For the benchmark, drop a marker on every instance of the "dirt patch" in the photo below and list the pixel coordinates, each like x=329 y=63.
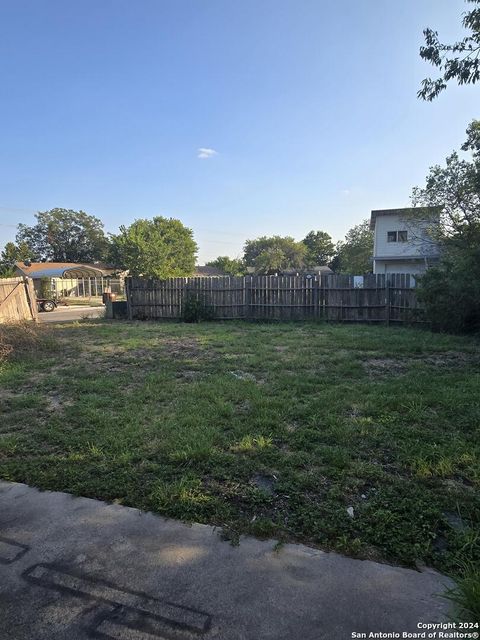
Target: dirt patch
x=245 y=375
x=55 y=402
x=188 y=376
x=265 y=483
x=6 y=393
x=186 y=348
x=354 y=412
x=456 y=485
x=451 y=359
x=379 y=367
x=244 y=407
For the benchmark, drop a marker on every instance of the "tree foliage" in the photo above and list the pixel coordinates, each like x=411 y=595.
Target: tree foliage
x=451 y=290
x=320 y=248
x=354 y=254
x=157 y=248
x=459 y=61
x=270 y=255
x=64 y=235
x=455 y=190
x=472 y=143
x=230 y=266
x=11 y=254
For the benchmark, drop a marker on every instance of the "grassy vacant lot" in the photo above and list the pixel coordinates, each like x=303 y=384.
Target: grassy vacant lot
x=275 y=430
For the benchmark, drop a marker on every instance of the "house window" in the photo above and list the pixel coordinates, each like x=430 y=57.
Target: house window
x=396 y=236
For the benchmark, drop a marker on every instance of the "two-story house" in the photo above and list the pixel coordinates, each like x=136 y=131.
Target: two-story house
x=403 y=241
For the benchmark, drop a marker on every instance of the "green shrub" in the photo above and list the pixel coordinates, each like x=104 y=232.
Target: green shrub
x=196 y=308
x=450 y=292
x=46 y=288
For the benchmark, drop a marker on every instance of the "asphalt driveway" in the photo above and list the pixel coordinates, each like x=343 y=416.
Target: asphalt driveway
x=67 y=314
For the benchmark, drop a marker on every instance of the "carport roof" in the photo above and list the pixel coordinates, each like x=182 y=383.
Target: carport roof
x=59 y=270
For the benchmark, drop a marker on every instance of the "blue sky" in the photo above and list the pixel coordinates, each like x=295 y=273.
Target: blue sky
x=310 y=106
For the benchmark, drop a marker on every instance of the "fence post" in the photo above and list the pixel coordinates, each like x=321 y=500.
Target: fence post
x=387 y=300
x=247 y=295
x=31 y=298
x=128 y=293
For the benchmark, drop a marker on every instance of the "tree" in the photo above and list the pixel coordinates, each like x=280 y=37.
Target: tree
x=459 y=61
x=10 y=255
x=472 y=142
x=454 y=189
x=64 y=235
x=320 y=248
x=269 y=255
x=230 y=266
x=450 y=291
x=354 y=254
x=158 y=248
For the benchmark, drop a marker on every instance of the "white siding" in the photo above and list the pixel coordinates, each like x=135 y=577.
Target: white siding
x=417 y=244
x=411 y=254
x=399 y=266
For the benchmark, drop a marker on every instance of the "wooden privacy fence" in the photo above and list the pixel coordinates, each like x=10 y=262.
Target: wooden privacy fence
x=17 y=300
x=372 y=298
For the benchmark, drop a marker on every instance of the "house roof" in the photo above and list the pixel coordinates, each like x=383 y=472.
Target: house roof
x=62 y=269
x=203 y=270
x=423 y=213
x=308 y=270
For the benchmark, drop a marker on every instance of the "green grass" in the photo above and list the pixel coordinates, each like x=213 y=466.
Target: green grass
x=268 y=429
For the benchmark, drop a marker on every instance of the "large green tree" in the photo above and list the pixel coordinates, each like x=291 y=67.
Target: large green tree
x=320 y=248
x=64 y=235
x=269 y=255
x=354 y=254
x=230 y=266
x=157 y=248
x=458 y=61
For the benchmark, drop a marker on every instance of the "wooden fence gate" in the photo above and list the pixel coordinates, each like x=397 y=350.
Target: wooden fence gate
x=17 y=300
x=371 y=298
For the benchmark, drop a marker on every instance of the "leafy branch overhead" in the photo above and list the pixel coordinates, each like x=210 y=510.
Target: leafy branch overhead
x=459 y=61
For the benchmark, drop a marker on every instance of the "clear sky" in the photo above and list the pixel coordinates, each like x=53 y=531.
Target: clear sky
x=310 y=106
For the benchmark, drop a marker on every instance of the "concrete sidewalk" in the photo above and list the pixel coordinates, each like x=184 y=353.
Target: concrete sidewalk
x=74 y=568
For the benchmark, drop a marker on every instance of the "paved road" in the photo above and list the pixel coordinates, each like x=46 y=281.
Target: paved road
x=67 y=314
x=73 y=568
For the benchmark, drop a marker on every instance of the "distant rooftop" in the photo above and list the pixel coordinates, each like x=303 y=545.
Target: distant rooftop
x=201 y=270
